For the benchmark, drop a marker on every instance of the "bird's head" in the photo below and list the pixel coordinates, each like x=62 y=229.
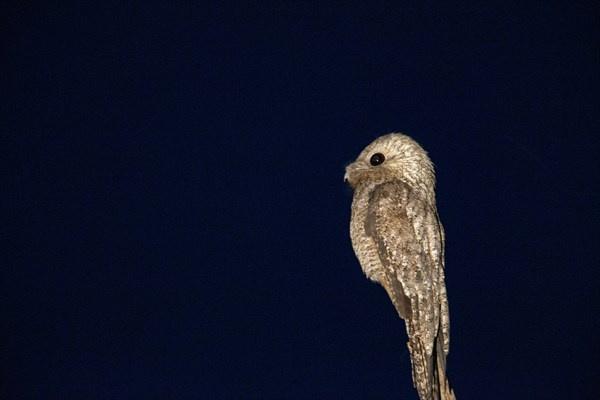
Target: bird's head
x=393 y=157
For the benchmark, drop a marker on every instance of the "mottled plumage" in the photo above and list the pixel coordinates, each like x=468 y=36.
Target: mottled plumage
x=399 y=241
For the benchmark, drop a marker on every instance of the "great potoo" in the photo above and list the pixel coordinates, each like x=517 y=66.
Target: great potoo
x=399 y=241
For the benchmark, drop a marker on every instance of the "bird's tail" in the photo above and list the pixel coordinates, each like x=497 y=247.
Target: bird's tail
x=440 y=380
x=429 y=371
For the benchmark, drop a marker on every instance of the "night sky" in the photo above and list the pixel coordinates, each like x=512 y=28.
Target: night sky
x=174 y=221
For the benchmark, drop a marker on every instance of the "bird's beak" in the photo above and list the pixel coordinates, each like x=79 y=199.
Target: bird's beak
x=349 y=169
x=350 y=175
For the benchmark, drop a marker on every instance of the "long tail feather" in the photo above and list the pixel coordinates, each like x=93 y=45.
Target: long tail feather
x=429 y=371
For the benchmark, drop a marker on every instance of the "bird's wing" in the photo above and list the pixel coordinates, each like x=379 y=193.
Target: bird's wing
x=409 y=242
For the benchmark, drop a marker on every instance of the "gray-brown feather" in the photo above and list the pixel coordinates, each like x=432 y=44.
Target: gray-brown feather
x=399 y=241
x=397 y=221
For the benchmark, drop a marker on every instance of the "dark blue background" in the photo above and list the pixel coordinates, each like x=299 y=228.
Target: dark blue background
x=175 y=224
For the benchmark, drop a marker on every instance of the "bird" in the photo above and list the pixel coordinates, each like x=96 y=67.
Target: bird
x=399 y=240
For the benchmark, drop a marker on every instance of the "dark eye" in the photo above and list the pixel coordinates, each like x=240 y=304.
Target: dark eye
x=377 y=159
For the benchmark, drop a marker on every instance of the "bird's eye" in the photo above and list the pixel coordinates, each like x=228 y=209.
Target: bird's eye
x=377 y=159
